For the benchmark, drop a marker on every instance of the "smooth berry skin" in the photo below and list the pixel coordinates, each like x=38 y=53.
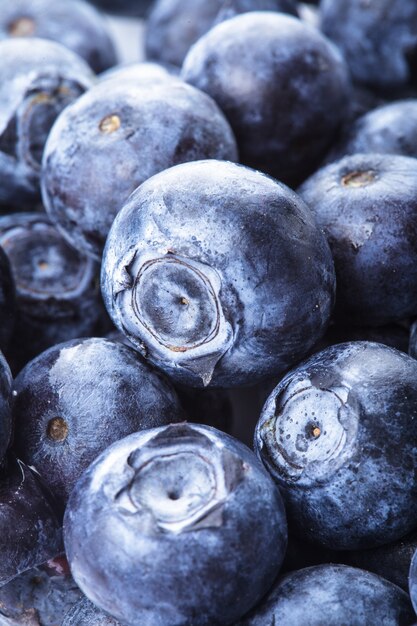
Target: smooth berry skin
x=375 y=38
x=75 y=25
x=77 y=398
x=30 y=524
x=85 y=613
x=126 y=133
x=367 y=208
x=236 y=264
x=387 y=129
x=136 y=532
x=332 y=595
x=173 y=26
x=338 y=436
x=57 y=296
x=283 y=87
x=37 y=80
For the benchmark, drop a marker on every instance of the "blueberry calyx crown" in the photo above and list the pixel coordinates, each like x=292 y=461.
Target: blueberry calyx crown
x=308 y=431
x=180 y=481
x=170 y=305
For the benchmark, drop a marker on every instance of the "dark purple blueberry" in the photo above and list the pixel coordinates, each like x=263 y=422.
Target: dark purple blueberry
x=37 y=80
x=35 y=598
x=58 y=296
x=283 y=87
x=377 y=38
x=218 y=274
x=332 y=595
x=388 y=129
x=77 y=398
x=367 y=208
x=173 y=26
x=84 y=613
x=76 y=25
x=30 y=526
x=115 y=137
x=176 y=525
x=338 y=435
x=7 y=301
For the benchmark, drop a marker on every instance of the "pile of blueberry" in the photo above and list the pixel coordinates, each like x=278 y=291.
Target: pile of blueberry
x=205 y=252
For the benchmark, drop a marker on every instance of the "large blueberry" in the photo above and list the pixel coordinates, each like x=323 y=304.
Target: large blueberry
x=177 y=525
x=218 y=274
x=388 y=129
x=76 y=25
x=367 y=208
x=77 y=398
x=283 y=87
x=38 y=78
x=57 y=294
x=116 y=136
x=333 y=595
x=378 y=38
x=338 y=435
x=173 y=26
x=30 y=526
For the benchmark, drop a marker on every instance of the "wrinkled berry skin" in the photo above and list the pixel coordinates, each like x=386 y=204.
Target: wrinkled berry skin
x=283 y=87
x=75 y=25
x=7 y=301
x=367 y=208
x=388 y=129
x=77 y=398
x=185 y=514
x=86 y=614
x=173 y=26
x=37 y=80
x=30 y=528
x=376 y=38
x=338 y=436
x=57 y=294
x=217 y=274
x=5 y=406
x=333 y=595
x=126 y=133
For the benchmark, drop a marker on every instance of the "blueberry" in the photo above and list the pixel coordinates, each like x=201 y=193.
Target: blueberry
x=176 y=525
x=125 y=134
x=76 y=25
x=393 y=335
x=412 y=581
x=57 y=292
x=38 y=78
x=218 y=274
x=338 y=436
x=333 y=595
x=86 y=614
x=30 y=527
x=283 y=87
x=367 y=207
x=77 y=398
x=378 y=39
x=388 y=129
x=173 y=26
x=412 y=346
